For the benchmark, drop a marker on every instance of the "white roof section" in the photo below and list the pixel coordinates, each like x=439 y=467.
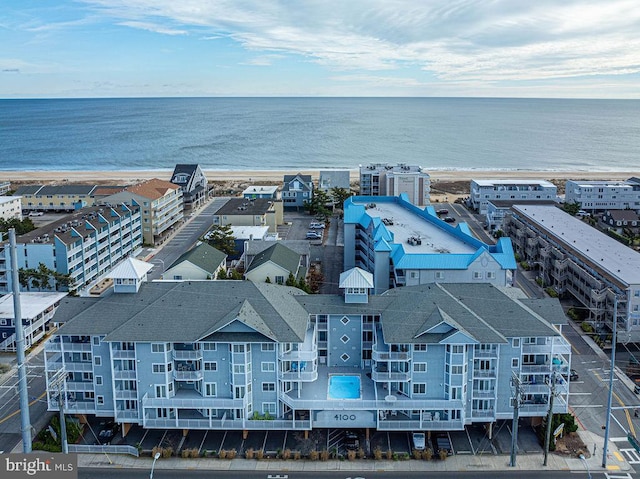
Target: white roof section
x=489 y=182
x=611 y=256
x=407 y=224
x=356 y=278
x=31 y=304
x=602 y=183
x=131 y=268
x=9 y=199
x=248 y=232
x=260 y=190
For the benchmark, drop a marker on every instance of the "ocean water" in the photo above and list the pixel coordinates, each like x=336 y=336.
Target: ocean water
x=320 y=133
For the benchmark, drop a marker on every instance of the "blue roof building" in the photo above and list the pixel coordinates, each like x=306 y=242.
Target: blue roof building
x=403 y=245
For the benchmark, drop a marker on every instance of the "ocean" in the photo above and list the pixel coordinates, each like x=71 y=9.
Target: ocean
x=320 y=133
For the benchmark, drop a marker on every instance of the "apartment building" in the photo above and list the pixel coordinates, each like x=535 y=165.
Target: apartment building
x=10 y=207
x=482 y=191
x=269 y=192
x=160 y=205
x=58 y=198
x=37 y=310
x=334 y=179
x=84 y=245
x=403 y=245
x=382 y=179
x=429 y=357
x=572 y=257
x=5 y=187
x=598 y=196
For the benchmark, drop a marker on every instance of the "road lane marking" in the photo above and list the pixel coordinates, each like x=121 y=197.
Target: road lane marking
x=18 y=410
x=632 y=456
x=618 y=456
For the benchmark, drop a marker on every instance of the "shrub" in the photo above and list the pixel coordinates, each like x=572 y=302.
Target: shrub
x=417 y=454
x=167 y=452
x=231 y=454
x=361 y=454
x=222 y=454
x=313 y=455
x=249 y=453
x=586 y=327
x=351 y=455
x=324 y=455
x=260 y=454
x=427 y=454
x=286 y=454
x=377 y=453
x=297 y=455
x=389 y=454
x=443 y=454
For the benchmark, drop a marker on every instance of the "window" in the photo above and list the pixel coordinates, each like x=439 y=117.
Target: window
x=209 y=346
x=268 y=347
x=420 y=367
x=86 y=356
x=88 y=395
x=161 y=391
x=238 y=369
x=266 y=387
x=98 y=380
x=528 y=359
x=419 y=347
x=210 y=389
x=419 y=388
x=210 y=366
x=456 y=393
x=238 y=348
x=100 y=400
x=491 y=275
x=439 y=275
x=477 y=275
x=279 y=279
x=97 y=360
x=157 y=347
x=515 y=363
x=456 y=369
x=96 y=340
x=159 y=368
x=268 y=367
x=269 y=408
x=515 y=342
x=87 y=376
x=456 y=349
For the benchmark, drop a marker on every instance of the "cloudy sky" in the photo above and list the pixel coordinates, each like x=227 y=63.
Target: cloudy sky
x=501 y=48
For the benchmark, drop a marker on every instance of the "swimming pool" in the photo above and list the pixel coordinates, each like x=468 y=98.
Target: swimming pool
x=344 y=387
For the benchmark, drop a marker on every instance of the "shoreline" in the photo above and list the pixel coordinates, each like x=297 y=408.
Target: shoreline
x=256 y=176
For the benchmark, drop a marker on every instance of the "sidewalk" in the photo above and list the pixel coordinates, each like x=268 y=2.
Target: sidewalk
x=457 y=463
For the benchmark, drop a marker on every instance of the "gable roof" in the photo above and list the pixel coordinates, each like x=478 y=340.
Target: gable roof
x=189 y=311
x=204 y=256
x=152 y=189
x=356 y=278
x=278 y=254
x=305 y=180
x=183 y=169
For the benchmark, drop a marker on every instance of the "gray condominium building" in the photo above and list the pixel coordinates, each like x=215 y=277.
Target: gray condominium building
x=223 y=354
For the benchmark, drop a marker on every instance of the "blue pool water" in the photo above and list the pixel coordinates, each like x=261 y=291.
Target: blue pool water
x=344 y=387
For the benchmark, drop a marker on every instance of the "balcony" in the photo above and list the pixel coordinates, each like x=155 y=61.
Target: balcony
x=125 y=394
x=536 y=349
x=230 y=424
x=186 y=354
x=399 y=403
x=483 y=413
x=123 y=354
x=304 y=376
x=187 y=375
x=126 y=414
x=413 y=425
x=485 y=353
x=382 y=376
x=193 y=403
x=484 y=373
x=381 y=353
x=79 y=386
x=76 y=347
x=535 y=368
x=124 y=374
x=78 y=367
x=300 y=355
x=483 y=394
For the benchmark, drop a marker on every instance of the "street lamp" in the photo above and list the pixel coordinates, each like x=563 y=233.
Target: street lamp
x=155 y=458
x=586 y=464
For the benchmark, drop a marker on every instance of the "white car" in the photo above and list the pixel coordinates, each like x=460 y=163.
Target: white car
x=36 y=213
x=418 y=441
x=316 y=226
x=313 y=235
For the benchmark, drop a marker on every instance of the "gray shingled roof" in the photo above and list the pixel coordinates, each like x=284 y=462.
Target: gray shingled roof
x=69 y=189
x=203 y=256
x=244 y=206
x=278 y=254
x=189 y=311
x=27 y=190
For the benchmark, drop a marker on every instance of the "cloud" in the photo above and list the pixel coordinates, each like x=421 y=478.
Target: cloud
x=452 y=40
x=263 y=60
x=10 y=70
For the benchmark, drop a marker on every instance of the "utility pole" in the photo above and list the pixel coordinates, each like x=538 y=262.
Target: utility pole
x=58 y=381
x=514 y=427
x=611 y=373
x=552 y=395
x=25 y=420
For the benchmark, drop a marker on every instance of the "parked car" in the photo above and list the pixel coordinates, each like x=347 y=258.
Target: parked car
x=106 y=435
x=418 y=441
x=316 y=226
x=443 y=211
x=351 y=441
x=36 y=213
x=573 y=375
x=313 y=235
x=449 y=219
x=441 y=442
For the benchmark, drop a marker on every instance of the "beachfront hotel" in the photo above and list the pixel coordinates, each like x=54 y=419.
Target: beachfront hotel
x=599 y=196
x=84 y=245
x=576 y=259
x=223 y=354
x=404 y=245
x=382 y=179
x=483 y=191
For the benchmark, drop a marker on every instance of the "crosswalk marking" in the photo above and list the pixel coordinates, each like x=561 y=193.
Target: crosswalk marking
x=631 y=455
x=618 y=476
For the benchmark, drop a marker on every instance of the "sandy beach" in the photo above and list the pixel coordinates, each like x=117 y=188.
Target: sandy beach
x=262 y=176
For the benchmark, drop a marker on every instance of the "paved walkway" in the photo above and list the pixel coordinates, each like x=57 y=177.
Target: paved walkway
x=460 y=462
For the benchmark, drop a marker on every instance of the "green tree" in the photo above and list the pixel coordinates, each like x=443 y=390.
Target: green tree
x=44 y=278
x=222 y=274
x=291 y=280
x=318 y=204
x=21 y=226
x=572 y=208
x=221 y=238
x=340 y=195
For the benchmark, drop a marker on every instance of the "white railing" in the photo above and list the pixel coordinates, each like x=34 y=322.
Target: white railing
x=194 y=403
x=124 y=374
x=385 y=355
x=390 y=376
x=187 y=375
x=536 y=349
x=305 y=376
x=78 y=367
x=231 y=424
x=78 y=386
x=186 y=354
x=76 y=347
x=125 y=394
x=99 y=449
x=392 y=425
x=399 y=403
x=484 y=413
x=300 y=355
x=483 y=394
x=484 y=373
x=123 y=354
x=535 y=368
x=127 y=414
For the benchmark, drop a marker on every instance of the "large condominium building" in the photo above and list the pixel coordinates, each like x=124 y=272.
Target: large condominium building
x=10 y=207
x=68 y=197
x=160 y=205
x=381 y=179
x=604 y=195
x=224 y=354
x=83 y=245
x=576 y=259
x=403 y=245
x=482 y=191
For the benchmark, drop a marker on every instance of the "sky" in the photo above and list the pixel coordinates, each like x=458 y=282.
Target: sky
x=442 y=48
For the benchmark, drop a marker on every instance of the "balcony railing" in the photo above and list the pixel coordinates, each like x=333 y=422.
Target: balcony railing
x=127 y=414
x=484 y=373
x=483 y=394
x=187 y=354
x=76 y=347
x=535 y=368
x=231 y=424
x=482 y=413
x=378 y=354
x=390 y=376
x=73 y=386
x=124 y=374
x=536 y=348
x=78 y=367
x=300 y=355
x=399 y=425
x=187 y=375
x=485 y=353
x=305 y=376
x=123 y=354
x=125 y=394
x=360 y=405
x=194 y=403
